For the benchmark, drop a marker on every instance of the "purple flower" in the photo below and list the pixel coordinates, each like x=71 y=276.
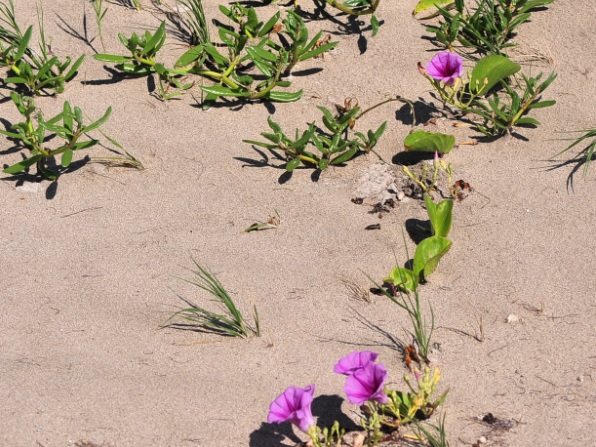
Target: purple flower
x=367 y=384
x=293 y=405
x=354 y=361
x=445 y=67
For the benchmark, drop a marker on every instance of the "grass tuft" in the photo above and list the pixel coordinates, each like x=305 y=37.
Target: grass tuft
x=230 y=323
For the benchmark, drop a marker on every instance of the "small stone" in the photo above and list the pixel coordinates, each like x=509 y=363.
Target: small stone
x=512 y=318
x=482 y=440
x=32 y=187
x=401 y=196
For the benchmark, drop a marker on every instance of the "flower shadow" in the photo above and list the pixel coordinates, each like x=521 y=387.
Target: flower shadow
x=327 y=410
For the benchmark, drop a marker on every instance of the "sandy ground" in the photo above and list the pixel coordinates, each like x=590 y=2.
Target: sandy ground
x=91 y=269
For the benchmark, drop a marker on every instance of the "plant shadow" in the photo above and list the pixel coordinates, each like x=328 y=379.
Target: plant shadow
x=327 y=410
x=418 y=230
x=71 y=31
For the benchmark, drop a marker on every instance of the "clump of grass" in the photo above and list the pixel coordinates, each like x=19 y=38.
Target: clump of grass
x=585 y=154
x=434 y=434
x=195 y=21
x=100 y=13
x=230 y=323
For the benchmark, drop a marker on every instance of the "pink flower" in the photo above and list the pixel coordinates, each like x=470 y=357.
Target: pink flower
x=446 y=67
x=294 y=405
x=354 y=361
x=367 y=383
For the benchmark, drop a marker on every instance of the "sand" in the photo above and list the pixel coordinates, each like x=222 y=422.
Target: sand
x=92 y=266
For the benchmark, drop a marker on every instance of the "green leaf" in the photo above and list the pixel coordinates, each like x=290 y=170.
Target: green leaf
x=527 y=121
x=424 y=5
x=428 y=254
x=66 y=158
x=67 y=117
x=112 y=58
x=284 y=96
x=293 y=164
x=345 y=156
x=157 y=40
x=22 y=165
x=192 y=55
x=220 y=90
x=440 y=215
x=403 y=278
x=317 y=51
x=100 y=121
x=423 y=141
x=269 y=25
x=84 y=145
x=489 y=71
x=374 y=23
x=257 y=52
x=541 y=104
x=23 y=44
x=74 y=68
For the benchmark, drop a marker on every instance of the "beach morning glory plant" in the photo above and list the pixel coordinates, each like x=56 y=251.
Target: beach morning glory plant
x=382 y=409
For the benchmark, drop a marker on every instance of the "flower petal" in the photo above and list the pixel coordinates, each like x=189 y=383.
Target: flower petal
x=354 y=361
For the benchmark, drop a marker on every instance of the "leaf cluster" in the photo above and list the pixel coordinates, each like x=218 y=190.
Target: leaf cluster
x=334 y=146
x=430 y=250
x=33 y=133
x=418 y=403
x=37 y=72
x=248 y=64
x=487 y=27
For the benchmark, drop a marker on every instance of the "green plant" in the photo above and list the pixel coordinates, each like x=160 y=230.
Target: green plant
x=417 y=404
x=585 y=154
x=427 y=180
x=231 y=323
x=252 y=45
x=492 y=92
x=429 y=251
x=247 y=49
x=435 y=435
x=402 y=296
x=68 y=126
x=142 y=61
x=100 y=13
x=487 y=27
x=38 y=72
x=335 y=145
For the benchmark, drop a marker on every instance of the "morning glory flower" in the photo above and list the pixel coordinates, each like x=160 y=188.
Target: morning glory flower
x=294 y=405
x=446 y=67
x=367 y=383
x=354 y=361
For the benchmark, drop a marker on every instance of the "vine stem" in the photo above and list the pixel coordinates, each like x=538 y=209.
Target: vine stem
x=398 y=98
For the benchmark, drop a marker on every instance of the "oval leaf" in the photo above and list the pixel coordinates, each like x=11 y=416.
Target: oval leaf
x=423 y=141
x=424 y=5
x=293 y=164
x=440 y=215
x=428 y=254
x=489 y=71
x=403 y=278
